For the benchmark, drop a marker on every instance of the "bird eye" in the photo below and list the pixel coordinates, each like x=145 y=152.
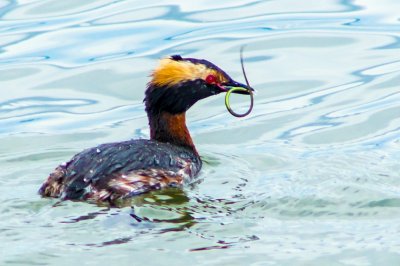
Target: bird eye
x=211 y=79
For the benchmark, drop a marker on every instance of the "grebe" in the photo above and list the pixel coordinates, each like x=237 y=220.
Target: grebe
x=120 y=170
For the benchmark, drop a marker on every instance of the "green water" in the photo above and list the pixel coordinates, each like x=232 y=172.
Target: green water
x=311 y=177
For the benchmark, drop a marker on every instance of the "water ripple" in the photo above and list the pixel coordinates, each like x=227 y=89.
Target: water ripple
x=311 y=177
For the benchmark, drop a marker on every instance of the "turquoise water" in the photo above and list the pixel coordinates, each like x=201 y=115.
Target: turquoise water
x=311 y=177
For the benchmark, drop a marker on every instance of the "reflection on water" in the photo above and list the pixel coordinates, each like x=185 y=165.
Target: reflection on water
x=169 y=207
x=311 y=177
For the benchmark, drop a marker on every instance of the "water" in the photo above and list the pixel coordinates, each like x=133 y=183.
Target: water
x=310 y=178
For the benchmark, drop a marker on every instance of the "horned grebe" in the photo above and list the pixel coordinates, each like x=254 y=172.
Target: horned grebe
x=169 y=159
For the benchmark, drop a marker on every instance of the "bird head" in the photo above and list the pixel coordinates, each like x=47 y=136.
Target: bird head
x=178 y=83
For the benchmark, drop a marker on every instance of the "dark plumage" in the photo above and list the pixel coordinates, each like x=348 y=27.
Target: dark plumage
x=169 y=159
x=123 y=169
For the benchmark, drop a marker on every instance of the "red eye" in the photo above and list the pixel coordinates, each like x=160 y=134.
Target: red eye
x=211 y=79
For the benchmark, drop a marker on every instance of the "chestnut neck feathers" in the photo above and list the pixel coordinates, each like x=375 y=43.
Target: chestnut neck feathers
x=171 y=128
x=176 y=84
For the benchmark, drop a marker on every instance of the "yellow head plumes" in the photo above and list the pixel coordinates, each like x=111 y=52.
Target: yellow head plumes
x=171 y=72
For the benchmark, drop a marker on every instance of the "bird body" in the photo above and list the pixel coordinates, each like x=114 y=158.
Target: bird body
x=114 y=171
x=123 y=169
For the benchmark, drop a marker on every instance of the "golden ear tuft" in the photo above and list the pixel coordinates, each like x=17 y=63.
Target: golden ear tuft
x=172 y=72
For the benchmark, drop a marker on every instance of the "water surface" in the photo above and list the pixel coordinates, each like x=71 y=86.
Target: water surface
x=310 y=178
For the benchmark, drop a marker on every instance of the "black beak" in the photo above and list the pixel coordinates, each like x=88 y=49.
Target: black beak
x=233 y=84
